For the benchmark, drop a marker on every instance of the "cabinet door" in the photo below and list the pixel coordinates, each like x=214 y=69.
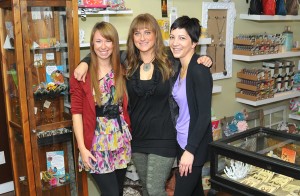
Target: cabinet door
x=39 y=51
x=12 y=65
x=47 y=50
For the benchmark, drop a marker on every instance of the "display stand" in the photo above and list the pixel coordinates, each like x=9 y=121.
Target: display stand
x=35 y=37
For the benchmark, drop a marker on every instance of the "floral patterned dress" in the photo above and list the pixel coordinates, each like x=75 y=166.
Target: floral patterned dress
x=110 y=146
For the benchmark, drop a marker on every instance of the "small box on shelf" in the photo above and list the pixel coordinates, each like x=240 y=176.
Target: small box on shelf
x=253 y=74
x=257 y=86
x=257 y=44
x=253 y=96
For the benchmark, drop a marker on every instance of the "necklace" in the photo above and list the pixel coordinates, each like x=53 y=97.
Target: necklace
x=182 y=74
x=220 y=31
x=147 y=66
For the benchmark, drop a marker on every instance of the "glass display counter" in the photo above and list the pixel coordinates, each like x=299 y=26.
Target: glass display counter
x=259 y=161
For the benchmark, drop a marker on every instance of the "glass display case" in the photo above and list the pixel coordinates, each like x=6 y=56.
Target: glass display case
x=259 y=161
x=39 y=48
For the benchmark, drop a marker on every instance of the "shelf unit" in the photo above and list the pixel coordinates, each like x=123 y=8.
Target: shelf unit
x=37 y=38
x=106 y=15
x=268 y=17
x=265 y=57
x=277 y=97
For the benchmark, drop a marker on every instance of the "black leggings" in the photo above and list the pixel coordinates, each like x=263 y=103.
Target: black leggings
x=190 y=185
x=111 y=184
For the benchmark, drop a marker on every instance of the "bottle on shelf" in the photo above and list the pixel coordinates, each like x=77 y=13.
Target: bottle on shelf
x=288 y=42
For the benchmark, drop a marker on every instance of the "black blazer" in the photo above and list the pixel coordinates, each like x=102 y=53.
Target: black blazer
x=199 y=85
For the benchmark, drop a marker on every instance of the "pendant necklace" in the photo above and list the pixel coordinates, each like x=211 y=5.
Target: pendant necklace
x=147 y=66
x=182 y=74
x=220 y=30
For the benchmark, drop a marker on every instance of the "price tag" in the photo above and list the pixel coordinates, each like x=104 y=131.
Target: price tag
x=47 y=104
x=50 y=56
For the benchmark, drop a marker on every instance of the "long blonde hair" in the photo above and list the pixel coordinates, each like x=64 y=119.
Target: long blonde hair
x=133 y=54
x=109 y=32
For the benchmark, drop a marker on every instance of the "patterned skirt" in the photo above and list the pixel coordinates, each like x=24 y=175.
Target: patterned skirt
x=110 y=146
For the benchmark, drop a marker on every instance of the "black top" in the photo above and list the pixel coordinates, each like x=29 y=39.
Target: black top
x=152 y=128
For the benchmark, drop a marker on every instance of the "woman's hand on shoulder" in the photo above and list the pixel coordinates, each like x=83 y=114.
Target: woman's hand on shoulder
x=205 y=60
x=81 y=71
x=186 y=163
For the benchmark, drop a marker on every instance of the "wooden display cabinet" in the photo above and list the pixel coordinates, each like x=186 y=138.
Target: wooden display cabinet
x=39 y=48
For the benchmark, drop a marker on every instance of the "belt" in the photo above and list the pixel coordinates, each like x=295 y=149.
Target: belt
x=110 y=112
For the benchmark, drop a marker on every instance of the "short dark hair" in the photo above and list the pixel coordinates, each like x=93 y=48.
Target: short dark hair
x=191 y=25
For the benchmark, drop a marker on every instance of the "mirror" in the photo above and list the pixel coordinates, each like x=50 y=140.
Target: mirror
x=218 y=19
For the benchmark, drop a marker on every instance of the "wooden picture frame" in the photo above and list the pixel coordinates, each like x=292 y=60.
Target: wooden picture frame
x=218 y=19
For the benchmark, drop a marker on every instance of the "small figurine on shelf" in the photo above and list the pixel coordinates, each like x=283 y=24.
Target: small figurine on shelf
x=288 y=127
x=116 y=5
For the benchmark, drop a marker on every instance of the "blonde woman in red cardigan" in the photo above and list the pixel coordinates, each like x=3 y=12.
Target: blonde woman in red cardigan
x=101 y=132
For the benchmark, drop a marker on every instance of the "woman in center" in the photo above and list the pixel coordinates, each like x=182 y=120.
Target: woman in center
x=192 y=92
x=150 y=73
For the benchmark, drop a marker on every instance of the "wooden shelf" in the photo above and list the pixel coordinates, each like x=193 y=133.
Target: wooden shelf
x=268 y=17
x=294 y=116
x=55 y=139
x=277 y=97
x=62 y=45
x=265 y=56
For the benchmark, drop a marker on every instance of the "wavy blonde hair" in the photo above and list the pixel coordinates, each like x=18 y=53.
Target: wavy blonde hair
x=160 y=52
x=109 y=32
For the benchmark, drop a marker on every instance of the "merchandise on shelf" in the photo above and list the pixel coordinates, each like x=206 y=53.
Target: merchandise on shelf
x=259 y=161
x=255 y=84
x=282 y=71
x=257 y=44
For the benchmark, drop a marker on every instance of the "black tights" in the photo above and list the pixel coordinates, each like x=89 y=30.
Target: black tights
x=191 y=184
x=111 y=184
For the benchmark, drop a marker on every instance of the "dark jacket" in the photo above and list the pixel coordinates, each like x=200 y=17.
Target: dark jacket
x=199 y=85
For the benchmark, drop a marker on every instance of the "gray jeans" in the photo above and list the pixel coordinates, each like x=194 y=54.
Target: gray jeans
x=153 y=171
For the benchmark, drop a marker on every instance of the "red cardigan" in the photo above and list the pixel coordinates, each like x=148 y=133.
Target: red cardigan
x=82 y=102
